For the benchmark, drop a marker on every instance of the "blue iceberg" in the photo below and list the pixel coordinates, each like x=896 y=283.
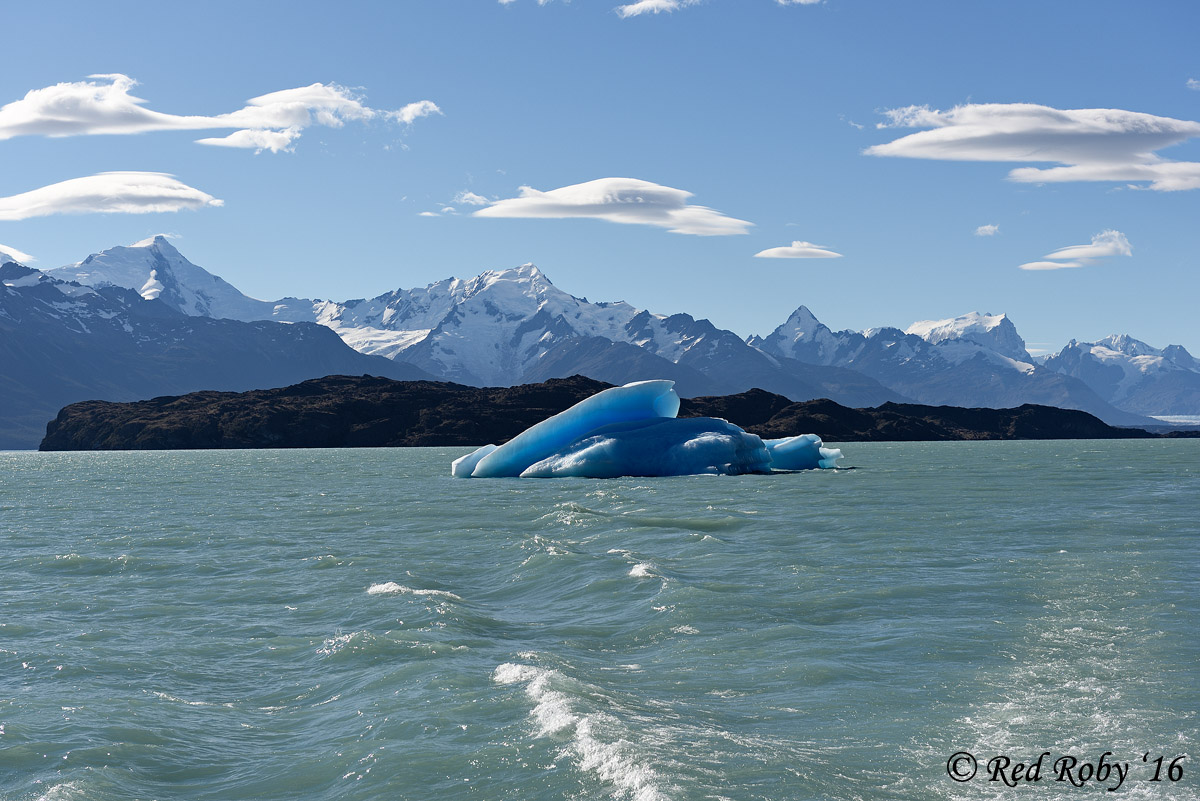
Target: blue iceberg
x=664 y=447
x=633 y=431
x=801 y=453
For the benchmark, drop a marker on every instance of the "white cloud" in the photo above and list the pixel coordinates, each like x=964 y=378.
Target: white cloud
x=798 y=250
x=1193 y=84
x=414 y=111
x=103 y=105
x=621 y=200
x=12 y=254
x=1104 y=245
x=1050 y=265
x=464 y=198
x=641 y=7
x=149 y=240
x=274 y=141
x=469 y=198
x=1093 y=144
x=987 y=230
x=107 y=192
x=651 y=7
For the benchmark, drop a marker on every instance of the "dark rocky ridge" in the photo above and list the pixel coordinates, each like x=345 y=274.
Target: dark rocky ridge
x=346 y=411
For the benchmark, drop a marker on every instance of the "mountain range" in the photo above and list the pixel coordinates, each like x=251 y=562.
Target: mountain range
x=62 y=342
x=137 y=321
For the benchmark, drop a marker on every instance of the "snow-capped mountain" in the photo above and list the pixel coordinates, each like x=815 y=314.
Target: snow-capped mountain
x=510 y=326
x=802 y=336
x=972 y=360
x=462 y=329
x=992 y=332
x=499 y=328
x=1133 y=375
x=62 y=342
x=157 y=271
x=488 y=330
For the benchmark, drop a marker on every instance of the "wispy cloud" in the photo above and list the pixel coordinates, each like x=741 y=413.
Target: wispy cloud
x=12 y=254
x=1093 y=144
x=987 y=230
x=1103 y=245
x=464 y=198
x=103 y=105
x=413 y=111
x=1193 y=84
x=620 y=200
x=107 y=192
x=798 y=250
x=469 y=198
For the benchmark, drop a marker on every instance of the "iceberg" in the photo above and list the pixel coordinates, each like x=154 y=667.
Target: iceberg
x=641 y=400
x=664 y=447
x=464 y=466
x=633 y=431
x=801 y=453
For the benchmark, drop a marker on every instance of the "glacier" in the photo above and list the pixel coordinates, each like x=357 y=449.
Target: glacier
x=633 y=430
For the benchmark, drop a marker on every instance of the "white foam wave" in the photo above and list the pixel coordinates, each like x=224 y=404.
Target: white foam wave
x=641 y=570
x=67 y=791
x=169 y=697
x=334 y=644
x=392 y=588
x=554 y=715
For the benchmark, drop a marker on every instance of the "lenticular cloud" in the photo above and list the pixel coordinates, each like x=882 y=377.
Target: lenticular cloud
x=115 y=192
x=103 y=105
x=1103 y=245
x=620 y=200
x=798 y=250
x=1092 y=144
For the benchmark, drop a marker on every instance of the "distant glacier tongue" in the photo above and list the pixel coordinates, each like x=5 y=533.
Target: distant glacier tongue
x=633 y=431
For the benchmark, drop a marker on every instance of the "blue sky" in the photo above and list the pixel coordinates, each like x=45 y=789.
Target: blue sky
x=767 y=113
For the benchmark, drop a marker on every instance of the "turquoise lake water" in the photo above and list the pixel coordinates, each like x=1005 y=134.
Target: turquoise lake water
x=355 y=624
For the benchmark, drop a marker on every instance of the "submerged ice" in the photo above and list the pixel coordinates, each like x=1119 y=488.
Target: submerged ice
x=633 y=431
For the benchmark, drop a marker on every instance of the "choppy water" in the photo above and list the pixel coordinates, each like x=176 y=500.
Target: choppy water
x=357 y=625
